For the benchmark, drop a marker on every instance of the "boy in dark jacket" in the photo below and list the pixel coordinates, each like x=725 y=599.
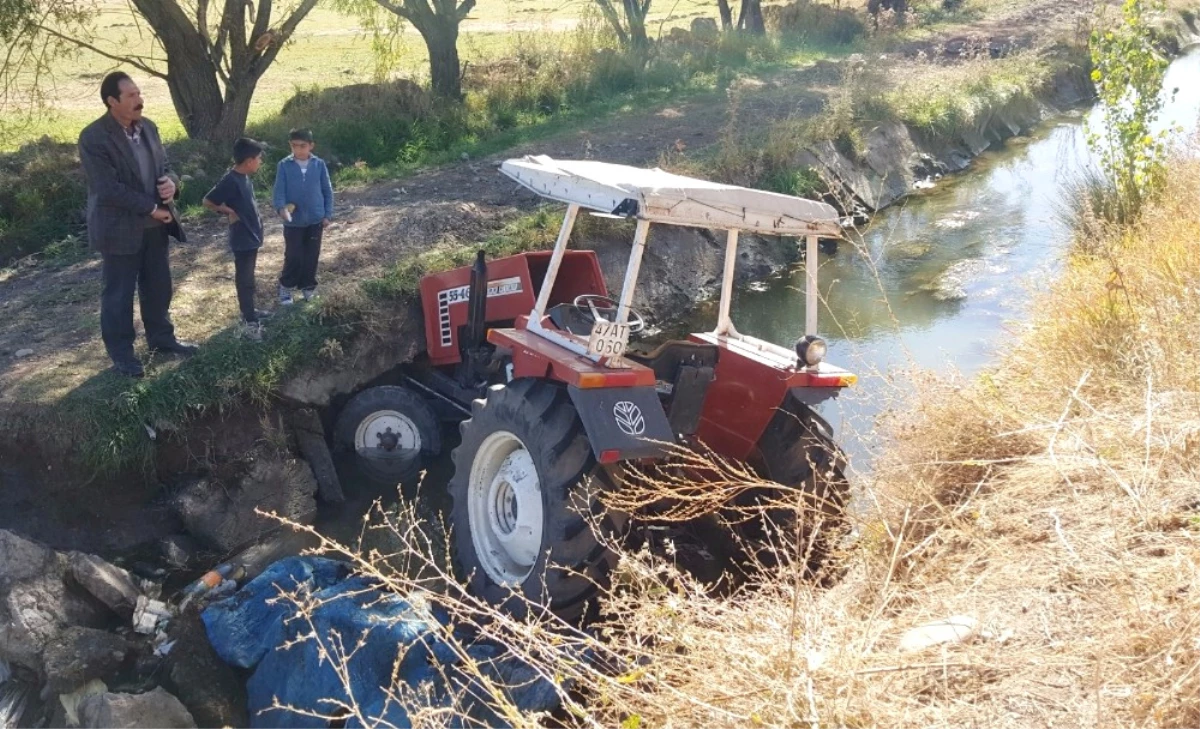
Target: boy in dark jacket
x=233 y=197
x=304 y=200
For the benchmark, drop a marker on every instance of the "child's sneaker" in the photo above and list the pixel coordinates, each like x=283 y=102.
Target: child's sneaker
x=309 y=294
x=252 y=330
x=285 y=296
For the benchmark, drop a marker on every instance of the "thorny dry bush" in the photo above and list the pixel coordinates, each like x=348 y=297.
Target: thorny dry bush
x=1056 y=501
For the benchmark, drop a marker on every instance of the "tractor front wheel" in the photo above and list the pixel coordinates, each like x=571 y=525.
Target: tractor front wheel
x=389 y=427
x=525 y=484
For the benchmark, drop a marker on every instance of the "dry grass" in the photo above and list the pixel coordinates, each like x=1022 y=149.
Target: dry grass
x=1055 y=501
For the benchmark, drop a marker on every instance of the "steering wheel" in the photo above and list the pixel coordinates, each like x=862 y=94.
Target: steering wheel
x=602 y=307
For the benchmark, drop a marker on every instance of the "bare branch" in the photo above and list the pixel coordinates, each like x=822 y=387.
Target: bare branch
x=400 y=10
x=614 y=20
x=285 y=32
x=131 y=60
x=262 y=19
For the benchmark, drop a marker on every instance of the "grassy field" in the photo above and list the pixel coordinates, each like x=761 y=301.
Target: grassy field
x=542 y=74
x=329 y=49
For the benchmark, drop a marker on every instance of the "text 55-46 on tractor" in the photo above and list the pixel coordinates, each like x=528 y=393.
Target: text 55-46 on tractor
x=529 y=353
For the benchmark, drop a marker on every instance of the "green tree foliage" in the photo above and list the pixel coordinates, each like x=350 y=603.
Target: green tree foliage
x=1128 y=73
x=211 y=53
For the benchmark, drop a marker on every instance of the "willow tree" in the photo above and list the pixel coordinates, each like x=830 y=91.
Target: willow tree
x=211 y=53
x=436 y=20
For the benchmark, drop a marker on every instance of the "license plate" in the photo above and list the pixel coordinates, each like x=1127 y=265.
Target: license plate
x=609 y=340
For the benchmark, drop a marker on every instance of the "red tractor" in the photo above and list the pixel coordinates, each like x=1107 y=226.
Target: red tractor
x=529 y=353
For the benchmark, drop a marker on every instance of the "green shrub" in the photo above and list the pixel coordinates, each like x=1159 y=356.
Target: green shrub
x=1128 y=73
x=43 y=197
x=816 y=22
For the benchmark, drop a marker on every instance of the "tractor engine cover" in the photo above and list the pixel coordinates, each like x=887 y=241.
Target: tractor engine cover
x=623 y=423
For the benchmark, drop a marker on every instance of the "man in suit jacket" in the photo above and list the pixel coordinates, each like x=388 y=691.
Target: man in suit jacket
x=130 y=216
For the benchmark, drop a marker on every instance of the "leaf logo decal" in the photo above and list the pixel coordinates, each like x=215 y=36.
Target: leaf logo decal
x=629 y=418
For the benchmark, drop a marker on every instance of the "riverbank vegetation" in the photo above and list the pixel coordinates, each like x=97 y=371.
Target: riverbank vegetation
x=1025 y=553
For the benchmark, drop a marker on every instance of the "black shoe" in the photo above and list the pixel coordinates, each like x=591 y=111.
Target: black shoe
x=176 y=348
x=129 y=368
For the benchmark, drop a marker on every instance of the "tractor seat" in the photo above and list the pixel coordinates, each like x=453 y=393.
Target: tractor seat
x=667 y=358
x=687 y=369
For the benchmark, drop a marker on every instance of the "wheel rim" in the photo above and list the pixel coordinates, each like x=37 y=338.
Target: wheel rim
x=504 y=505
x=387 y=433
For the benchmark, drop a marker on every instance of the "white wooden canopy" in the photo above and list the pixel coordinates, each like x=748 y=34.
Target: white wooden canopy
x=663 y=197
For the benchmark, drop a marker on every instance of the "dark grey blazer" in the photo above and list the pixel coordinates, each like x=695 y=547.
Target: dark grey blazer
x=117 y=205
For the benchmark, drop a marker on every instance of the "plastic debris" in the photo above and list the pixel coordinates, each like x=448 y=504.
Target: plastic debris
x=165 y=647
x=248 y=629
x=14 y=697
x=212 y=583
x=147 y=614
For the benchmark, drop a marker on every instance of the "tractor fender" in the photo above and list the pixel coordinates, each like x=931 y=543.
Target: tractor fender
x=627 y=420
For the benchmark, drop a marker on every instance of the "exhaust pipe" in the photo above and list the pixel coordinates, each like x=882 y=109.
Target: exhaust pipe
x=474 y=337
x=477 y=314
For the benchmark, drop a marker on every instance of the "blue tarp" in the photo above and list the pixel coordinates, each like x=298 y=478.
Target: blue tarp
x=255 y=629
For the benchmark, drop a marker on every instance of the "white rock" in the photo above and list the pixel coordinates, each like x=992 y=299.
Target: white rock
x=954 y=629
x=70 y=702
x=108 y=583
x=155 y=708
x=23 y=353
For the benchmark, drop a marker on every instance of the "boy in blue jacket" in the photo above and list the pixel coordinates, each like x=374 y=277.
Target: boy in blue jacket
x=303 y=198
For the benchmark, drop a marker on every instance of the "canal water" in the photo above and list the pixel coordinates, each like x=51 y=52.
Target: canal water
x=939 y=282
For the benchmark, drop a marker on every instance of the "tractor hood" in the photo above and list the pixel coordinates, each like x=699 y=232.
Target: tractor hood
x=662 y=197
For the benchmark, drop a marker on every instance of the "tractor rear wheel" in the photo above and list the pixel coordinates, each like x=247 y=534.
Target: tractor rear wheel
x=524 y=479
x=797 y=451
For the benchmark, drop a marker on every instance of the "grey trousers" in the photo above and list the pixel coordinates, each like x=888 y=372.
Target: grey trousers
x=149 y=273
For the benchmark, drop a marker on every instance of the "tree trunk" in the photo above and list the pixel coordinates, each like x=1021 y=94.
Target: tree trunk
x=726 y=15
x=235 y=111
x=445 y=70
x=635 y=15
x=751 y=17
x=195 y=95
x=190 y=78
x=195 y=70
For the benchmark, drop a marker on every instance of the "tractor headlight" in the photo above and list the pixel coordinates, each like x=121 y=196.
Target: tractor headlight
x=810 y=349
